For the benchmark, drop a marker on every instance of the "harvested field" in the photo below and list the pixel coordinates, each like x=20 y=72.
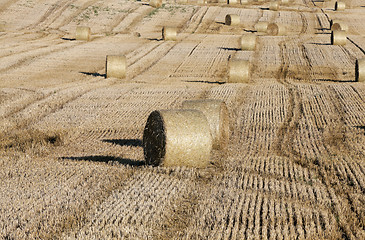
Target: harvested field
x=71 y=152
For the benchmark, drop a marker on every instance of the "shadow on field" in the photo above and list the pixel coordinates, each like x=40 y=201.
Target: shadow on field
x=230 y=49
x=125 y=142
x=155 y=39
x=209 y=82
x=94 y=74
x=332 y=80
x=69 y=39
x=250 y=31
x=264 y=8
x=223 y=23
x=360 y=127
x=324 y=44
x=106 y=159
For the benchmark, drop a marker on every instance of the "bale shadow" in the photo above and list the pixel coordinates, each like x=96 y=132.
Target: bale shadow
x=322 y=33
x=155 y=39
x=223 y=23
x=323 y=44
x=360 y=127
x=68 y=39
x=209 y=82
x=250 y=31
x=230 y=49
x=106 y=159
x=332 y=80
x=94 y=74
x=125 y=142
x=264 y=8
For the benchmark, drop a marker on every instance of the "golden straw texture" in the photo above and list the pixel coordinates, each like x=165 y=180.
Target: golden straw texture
x=169 y=33
x=232 y=19
x=338 y=37
x=83 y=33
x=177 y=138
x=360 y=70
x=248 y=42
x=261 y=26
x=216 y=113
x=239 y=71
x=274 y=29
x=115 y=66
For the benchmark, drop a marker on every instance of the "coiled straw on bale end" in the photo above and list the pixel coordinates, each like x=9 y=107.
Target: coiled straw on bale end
x=169 y=33
x=261 y=26
x=232 y=19
x=177 y=138
x=115 y=66
x=339 y=26
x=360 y=70
x=248 y=42
x=338 y=37
x=83 y=33
x=274 y=29
x=216 y=113
x=239 y=71
x=155 y=3
x=274 y=6
x=340 y=6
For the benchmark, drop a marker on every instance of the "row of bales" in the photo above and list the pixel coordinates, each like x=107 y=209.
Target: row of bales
x=186 y=136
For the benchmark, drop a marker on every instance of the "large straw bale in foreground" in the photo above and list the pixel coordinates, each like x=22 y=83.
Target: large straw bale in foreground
x=115 y=66
x=83 y=33
x=338 y=37
x=248 y=42
x=177 y=138
x=216 y=113
x=169 y=33
x=239 y=71
x=232 y=19
x=360 y=70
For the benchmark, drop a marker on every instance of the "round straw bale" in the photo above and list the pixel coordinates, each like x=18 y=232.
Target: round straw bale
x=115 y=66
x=274 y=29
x=248 y=42
x=239 y=71
x=285 y=1
x=177 y=138
x=202 y=1
x=216 y=113
x=169 y=33
x=232 y=19
x=243 y=2
x=156 y=3
x=222 y=1
x=338 y=37
x=360 y=70
x=232 y=1
x=340 y=26
x=83 y=33
x=340 y=6
x=261 y=26
x=274 y=6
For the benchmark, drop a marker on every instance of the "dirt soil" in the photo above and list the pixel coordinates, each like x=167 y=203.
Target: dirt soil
x=71 y=156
